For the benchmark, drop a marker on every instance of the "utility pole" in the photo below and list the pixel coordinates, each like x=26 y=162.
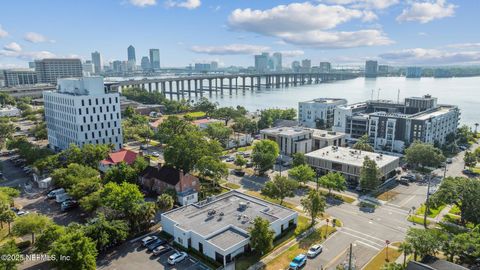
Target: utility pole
x=350 y=258
x=427 y=204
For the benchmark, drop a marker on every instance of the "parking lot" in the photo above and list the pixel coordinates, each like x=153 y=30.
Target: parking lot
x=132 y=255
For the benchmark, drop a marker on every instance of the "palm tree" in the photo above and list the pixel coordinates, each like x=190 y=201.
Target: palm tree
x=476 y=127
x=407 y=249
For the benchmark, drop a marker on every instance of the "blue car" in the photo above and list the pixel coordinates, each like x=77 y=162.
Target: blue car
x=298 y=262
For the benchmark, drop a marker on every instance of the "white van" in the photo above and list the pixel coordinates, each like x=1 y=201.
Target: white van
x=53 y=194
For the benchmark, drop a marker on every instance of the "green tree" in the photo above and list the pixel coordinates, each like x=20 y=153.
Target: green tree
x=465 y=135
x=407 y=249
x=32 y=223
x=106 y=232
x=392 y=266
x=185 y=150
x=129 y=112
x=212 y=168
x=206 y=106
x=39 y=131
x=6 y=132
x=423 y=242
x=264 y=154
x=470 y=159
x=362 y=144
x=165 y=202
x=219 y=132
x=279 y=188
x=462 y=192
x=314 y=204
x=88 y=155
x=120 y=173
x=10 y=248
x=80 y=250
x=299 y=159
x=333 y=181
x=369 y=174
x=269 y=116
x=79 y=180
x=8 y=216
x=173 y=126
x=240 y=161
x=144 y=132
x=49 y=235
x=245 y=125
x=424 y=154
x=261 y=236
x=10 y=192
x=142 y=216
x=226 y=114
x=302 y=174
x=6 y=99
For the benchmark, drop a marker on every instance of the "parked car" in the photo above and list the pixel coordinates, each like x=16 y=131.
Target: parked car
x=239 y=172
x=229 y=159
x=177 y=257
x=449 y=161
x=314 y=250
x=298 y=262
x=60 y=198
x=462 y=147
x=153 y=245
x=53 y=194
x=249 y=165
x=22 y=213
x=469 y=172
x=148 y=239
x=155 y=154
x=68 y=205
x=143 y=147
x=161 y=250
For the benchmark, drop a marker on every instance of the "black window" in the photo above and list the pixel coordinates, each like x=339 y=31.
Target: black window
x=83 y=102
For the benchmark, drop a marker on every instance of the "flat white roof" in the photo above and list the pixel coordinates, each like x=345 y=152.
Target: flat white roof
x=287 y=131
x=320 y=133
x=350 y=156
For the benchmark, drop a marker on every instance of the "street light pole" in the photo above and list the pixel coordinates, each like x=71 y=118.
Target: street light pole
x=427 y=204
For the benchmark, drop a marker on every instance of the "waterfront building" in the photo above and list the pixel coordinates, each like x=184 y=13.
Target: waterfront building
x=414 y=72
x=81 y=111
x=50 y=69
x=155 y=59
x=277 y=61
x=325 y=67
x=145 y=63
x=261 y=62
x=16 y=77
x=131 y=58
x=349 y=162
x=202 y=67
x=306 y=65
x=226 y=220
x=290 y=140
x=214 y=65
x=296 y=66
x=97 y=62
x=117 y=66
x=371 y=69
x=88 y=68
x=383 y=70
x=318 y=113
x=324 y=138
x=392 y=126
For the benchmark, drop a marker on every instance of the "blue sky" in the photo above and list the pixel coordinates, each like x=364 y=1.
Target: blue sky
x=345 y=32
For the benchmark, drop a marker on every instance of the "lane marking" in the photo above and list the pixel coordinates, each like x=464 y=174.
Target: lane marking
x=368 y=245
x=364 y=239
x=367 y=235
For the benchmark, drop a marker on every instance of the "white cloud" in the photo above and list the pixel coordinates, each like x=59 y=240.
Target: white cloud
x=143 y=3
x=13 y=47
x=188 y=4
x=36 y=38
x=292 y=53
x=306 y=24
x=230 y=49
x=427 y=11
x=3 y=33
x=27 y=55
x=370 y=4
x=431 y=56
x=465 y=46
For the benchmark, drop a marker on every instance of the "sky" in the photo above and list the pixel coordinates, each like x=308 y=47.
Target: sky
x=344 y=32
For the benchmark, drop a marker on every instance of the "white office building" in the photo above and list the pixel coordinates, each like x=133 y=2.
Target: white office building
x=318 y=113
x=81 y=112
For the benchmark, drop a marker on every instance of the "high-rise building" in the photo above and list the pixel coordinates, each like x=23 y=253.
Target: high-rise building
x=306 y=65
x=88 y=68
x=155 y=59
x=97 y=62
x=15 y=77
x=117 y=66
x=201 y=67
x=131 y=59
x=277 y=61
x=261 y=62
x=296 y=66
x=81 y=112
x=318 y=113
x=214 y=65
x=414 y=72
x=50 y=69
x=145 y=63
x=383 y=69
x=371 y=69
x=325 y=67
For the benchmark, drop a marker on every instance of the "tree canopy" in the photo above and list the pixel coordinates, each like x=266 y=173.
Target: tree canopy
x=280 y=187
x=424 y=154
x=369 y=174
x=362 y=144
x=80 y=250
x=269 y=116
x=261 y=236
x=302 y=174
x=32 y=223
x=298 y=159
x=314 y=204
x=333 y=181
x=264 y=154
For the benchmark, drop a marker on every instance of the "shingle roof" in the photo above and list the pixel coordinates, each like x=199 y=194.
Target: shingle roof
x=124 y=155
x=165 y=174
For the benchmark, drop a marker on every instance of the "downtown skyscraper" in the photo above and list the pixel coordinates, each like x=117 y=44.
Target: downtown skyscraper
x=155 y=59
x=97 y=62
x=132 y=60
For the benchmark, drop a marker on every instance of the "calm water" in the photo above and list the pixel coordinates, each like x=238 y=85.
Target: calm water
x=464 y=92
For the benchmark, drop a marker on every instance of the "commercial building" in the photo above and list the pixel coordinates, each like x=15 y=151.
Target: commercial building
x=82 y=112
x=88 y=68
x=383 y=70
x=323 y=138
x=155 y=59
x=16 y=77
x=51 y=69
x=202 y=67
x=414 y=72
x=97 y=62
x=325 y=67
x=290 y=140
x=277 y=61
x=296 y=66
x=306 y=65
x=214 y=65
x=350 y=161
x=145 y=63
x=371 y=69
x=261 y=62
x=392 y=126
x=219 y=226
x=9 y=111
x=131 y=58
x=319 y=112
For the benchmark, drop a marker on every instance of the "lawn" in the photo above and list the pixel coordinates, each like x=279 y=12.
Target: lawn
x=454 y=210
x=417 y=220
x=381 y=258
x=245 y=148
x=284 y=259
x=387 y=195
x=259 y=195
x=433 y=212
x=232 y=185
x=195 y=115
x=341 y=197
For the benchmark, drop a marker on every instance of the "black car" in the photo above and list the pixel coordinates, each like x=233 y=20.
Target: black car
x=155 y=244
x=68 y=205
x=162 y=249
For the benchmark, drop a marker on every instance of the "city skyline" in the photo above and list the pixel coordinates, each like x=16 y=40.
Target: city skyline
x=185 y=32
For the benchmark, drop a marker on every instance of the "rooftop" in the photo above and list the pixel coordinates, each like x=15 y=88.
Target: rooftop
x=326 y=100
x=205 y=121
x=433 y=113
x=287 y=131
x=350 y=156
x=320 y=133
x=214 y=218
x=124 y=155
x=227 y=238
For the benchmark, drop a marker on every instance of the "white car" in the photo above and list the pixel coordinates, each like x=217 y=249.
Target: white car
x=177 y=257
x=155 y=154
x=314 y=251
x=147 y=240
